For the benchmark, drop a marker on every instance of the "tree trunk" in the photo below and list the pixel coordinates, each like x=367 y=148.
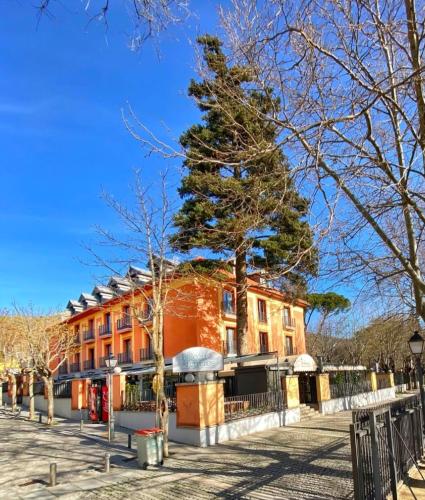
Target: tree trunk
x=13 y=391
x=1 y=392
x=161 y=399
x=31 y=394
x=48 y=381
x=241 y=302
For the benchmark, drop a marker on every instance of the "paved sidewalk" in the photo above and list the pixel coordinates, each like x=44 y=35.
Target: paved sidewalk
x=308 y=460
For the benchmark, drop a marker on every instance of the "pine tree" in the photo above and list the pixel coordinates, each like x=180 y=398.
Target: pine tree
x=238 y=194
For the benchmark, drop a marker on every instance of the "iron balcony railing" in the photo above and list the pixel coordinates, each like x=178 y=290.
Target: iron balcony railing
x=77 y=339
x=146 y=354
x=289 y=323
x=124 y=323
x=89 y=364
x=63 y=369
x=88 y=335
x=125 y=358
x=74 y=367
x=105 y=330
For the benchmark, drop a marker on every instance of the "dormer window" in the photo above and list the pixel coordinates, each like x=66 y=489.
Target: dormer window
x=228 y=302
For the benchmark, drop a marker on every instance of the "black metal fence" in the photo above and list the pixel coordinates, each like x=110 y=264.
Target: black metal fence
x=386 y=441
x=348 y=383
x=249 y=405
x=62 y=389
x=137 y=399
x=5 y=387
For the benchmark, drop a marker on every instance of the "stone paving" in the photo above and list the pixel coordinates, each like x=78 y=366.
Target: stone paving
x=308 y=460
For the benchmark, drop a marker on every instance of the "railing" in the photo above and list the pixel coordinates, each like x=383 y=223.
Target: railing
x=102 y=363
x=248 y=405
x=146 y=354
x=125 y=358
x=401 y=378
x=38 y=388
x=105 y=330
x=136 y=399
x=77 y=339
x=386 y=441
x=124 y=323
x=74 y=367
x=89 y=364
x=62 y=390
x=88 y=335
x=344 y=389
x=289 y=323
x=63 y=369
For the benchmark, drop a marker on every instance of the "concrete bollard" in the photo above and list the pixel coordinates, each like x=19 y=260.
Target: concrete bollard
x=107 y=462
x=81 y=420
x=53 y=471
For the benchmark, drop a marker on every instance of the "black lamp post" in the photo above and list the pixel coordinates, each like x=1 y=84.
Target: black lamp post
x=111 y=362
x=416 y=344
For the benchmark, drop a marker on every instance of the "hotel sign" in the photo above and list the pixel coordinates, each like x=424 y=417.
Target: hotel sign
x=197 y=359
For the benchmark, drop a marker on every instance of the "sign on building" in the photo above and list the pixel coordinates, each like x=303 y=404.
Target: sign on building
x=197 y=359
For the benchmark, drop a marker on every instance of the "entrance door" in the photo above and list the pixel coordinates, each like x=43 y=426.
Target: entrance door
x=308 y=391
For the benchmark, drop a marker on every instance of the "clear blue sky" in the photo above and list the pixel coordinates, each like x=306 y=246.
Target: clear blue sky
x=62 y=139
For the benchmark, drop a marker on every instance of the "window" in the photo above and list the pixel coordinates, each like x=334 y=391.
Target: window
x=126 y=311
x=231 y=342
x=91 y=325
x=108 y=349
x=148 y=309
x=228 y=302
x=262 y=311
x=108 y=322
x=288 y=321
x=264 y=342
x=127 y=346
x=289 y=346
x=77 y=358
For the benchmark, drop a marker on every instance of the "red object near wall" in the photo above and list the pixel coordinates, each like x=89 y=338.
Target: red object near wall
x=93 y=415
x=105 y=412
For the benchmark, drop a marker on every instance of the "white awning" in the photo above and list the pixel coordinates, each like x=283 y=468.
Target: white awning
x=299 y=363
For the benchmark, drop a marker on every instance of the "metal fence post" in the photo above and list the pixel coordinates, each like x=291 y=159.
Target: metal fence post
x=376 y=470
x=355 y=461
x=391 y=455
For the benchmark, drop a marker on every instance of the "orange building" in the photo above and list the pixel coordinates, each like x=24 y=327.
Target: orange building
x=199 y=312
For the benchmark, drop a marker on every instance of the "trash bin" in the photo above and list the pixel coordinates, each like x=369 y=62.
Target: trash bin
x=149 y=447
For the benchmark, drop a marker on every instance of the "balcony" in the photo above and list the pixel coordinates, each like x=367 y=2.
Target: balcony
x=88 y=335
x=102 y=363
x=228 y=309
x=146 y=354
x=289 y=323
x=63 y=369
x=124 y=323
x=74 y=367
x=125 y=358
x=77 y=339
x=89 y=364
x=105 y=330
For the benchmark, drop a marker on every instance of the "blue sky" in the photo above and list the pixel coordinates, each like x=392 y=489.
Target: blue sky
x=62 y=139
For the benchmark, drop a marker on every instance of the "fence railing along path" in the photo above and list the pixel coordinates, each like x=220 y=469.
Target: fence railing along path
x=249 y=405
x=386 y=442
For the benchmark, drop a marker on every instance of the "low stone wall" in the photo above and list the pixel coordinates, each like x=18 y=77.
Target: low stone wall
x=62 y=407
x=214 y=434
x=357 y=401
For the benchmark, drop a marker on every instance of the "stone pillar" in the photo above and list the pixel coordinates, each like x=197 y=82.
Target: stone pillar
x=118 y=391
x=291 y=391
x=200 y=404
x=79 y=394
x=322 y=387
x=373 y=380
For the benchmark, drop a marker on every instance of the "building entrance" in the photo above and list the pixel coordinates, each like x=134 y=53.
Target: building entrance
x=308 y=390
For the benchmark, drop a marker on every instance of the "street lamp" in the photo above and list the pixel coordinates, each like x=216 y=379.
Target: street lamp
x=416 y=344
x=111 y=363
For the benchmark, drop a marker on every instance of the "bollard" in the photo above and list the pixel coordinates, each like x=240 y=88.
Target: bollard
x=129 y=442
x=53 y=470
x=39 y=418
x=81 y=420
x=107 y=462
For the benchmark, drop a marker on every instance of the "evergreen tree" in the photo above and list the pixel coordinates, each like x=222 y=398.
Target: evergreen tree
x=238 y=194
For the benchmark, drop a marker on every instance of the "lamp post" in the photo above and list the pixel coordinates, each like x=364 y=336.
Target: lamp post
x=111 y=363
x=416 y=344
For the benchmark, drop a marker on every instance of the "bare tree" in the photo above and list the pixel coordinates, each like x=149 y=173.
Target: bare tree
x=349 y=75
x=48 y=343
x=144 y=238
